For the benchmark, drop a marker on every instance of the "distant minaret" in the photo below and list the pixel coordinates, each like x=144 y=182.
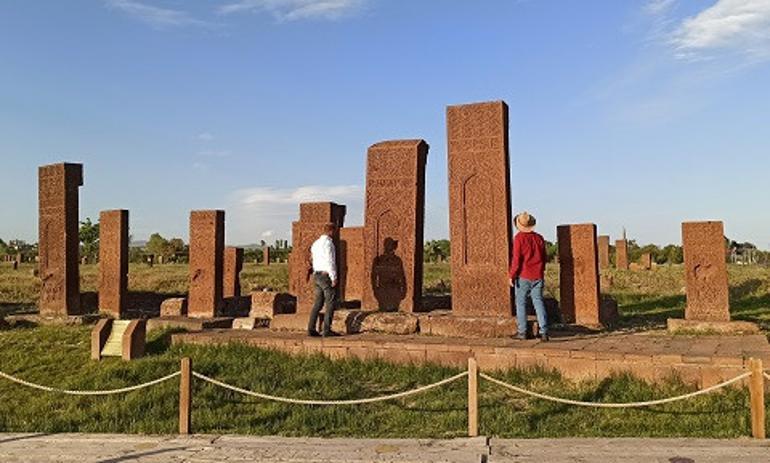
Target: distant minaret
x=624 y=233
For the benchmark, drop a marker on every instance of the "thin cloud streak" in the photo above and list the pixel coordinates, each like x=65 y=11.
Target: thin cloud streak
x=157 y=17
x=293 y=10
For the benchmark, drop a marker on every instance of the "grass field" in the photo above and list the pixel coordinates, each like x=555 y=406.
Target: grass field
x=60 y=357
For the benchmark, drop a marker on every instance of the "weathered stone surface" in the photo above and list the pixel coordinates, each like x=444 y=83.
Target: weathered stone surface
x=351 y=259
x=621 y=255
x=189 y=324
x=579 y=274
x=113 y=262
x=233 y=264
x=249 y=323
x=705 y=271
x=467 y=327
x=479 y=208
x=390 y=323
x=59 y=243
x=313 y=218
x=266 y=255
x=174 y=307
x=646 y=261
x=291 y=322
x=99 y=335
x=207 y=243
x=608 y=311
x=678 y=325
x=134 y=339
x=393 y=229
x=604 y=251
x=267 y=304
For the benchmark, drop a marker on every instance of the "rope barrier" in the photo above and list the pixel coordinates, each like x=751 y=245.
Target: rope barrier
x=614 y=405
x=96 y=392
x=330 y=402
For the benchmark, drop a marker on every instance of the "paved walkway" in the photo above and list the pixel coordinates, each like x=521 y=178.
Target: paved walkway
x=103 y=448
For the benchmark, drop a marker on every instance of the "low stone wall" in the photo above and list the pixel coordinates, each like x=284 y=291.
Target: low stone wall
x=576 y=359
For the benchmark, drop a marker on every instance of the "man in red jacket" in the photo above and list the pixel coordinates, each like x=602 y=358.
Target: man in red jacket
x=527 y=273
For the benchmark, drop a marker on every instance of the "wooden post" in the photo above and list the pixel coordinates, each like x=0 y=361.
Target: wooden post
x=473 y=398
x=185 y=396
x=757 y=393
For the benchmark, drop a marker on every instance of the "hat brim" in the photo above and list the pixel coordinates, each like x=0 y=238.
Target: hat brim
x=525 y=229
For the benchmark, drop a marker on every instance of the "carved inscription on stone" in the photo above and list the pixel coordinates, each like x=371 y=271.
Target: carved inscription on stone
x=705 y=271
x=207 y=244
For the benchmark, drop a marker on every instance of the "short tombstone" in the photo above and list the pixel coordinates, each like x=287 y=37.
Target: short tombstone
x=267 y=304
x=266 y=255
x=113 y=261
x=231 y=284
x=621 y=254
x=351 y=259
x=15 y=265
x=708 y=304
x=604 y=252
x=118 y=338
x=207 y=245
x=646 y=261
x=174 y=307
x=313 y=218
x=579 y=275
x=59 y=244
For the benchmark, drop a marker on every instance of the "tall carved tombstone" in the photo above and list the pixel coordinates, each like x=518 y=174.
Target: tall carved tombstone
x=579 y=274
x=706 y=272
x=393 y=225
x=59 y=243
x=604 y=252
x=113 y=262
x=233 y=264
x=313 y=218
x=621 y=254
x=207 y=244
x=351 y=258
x=479 y=208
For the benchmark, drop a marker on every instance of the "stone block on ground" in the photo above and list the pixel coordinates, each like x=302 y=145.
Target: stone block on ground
x=188 y=323
x=390 y=323
x=134 y=340
x=448 y=325
x=682 y=326
x=249 y=323
x=267 y=304
x=174 y=307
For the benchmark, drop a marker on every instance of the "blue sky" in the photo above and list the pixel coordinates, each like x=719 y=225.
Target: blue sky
x=636 y=114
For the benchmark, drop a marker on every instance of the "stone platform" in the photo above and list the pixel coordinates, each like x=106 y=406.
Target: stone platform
x=652 y=356
x=189 y=323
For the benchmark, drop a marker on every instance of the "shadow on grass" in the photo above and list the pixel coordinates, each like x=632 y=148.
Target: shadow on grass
x=649 y=311
x=160 y=342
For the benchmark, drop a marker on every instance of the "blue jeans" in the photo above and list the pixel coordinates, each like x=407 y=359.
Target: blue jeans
x=532 y=288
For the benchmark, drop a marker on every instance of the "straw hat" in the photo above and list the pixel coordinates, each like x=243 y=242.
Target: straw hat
x=524 y=222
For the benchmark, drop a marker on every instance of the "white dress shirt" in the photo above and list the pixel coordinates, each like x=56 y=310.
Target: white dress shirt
x=324 y=256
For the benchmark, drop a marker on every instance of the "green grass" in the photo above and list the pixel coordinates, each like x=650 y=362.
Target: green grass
x=59 y=356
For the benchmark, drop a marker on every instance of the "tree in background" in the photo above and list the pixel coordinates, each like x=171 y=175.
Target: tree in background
x=89 y=240
x=436 y=251
x=551 y=251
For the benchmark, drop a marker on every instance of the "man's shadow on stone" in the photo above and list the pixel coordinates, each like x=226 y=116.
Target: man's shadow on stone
x=388 y=278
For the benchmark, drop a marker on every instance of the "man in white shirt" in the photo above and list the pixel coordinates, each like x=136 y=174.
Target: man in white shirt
x=324 y=261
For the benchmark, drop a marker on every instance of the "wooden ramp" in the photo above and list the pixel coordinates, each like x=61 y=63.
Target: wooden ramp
x=118 y=338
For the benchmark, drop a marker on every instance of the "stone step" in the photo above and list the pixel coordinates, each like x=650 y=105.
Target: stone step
x=114 y=345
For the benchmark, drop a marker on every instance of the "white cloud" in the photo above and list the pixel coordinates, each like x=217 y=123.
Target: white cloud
x=155 y=16
x=728 y=26
x=205 y=136
x=292 y=10
x=658 y=7
x=255 y=212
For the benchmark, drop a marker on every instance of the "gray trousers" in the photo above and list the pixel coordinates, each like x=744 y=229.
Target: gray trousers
x=325 y=295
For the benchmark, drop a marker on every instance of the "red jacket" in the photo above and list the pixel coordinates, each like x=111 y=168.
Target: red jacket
x=528 y=256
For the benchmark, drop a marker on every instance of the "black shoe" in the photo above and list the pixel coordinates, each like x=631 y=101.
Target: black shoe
x=314 y=334
x=330 y=334
x=521 y=337
x=544 y=338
